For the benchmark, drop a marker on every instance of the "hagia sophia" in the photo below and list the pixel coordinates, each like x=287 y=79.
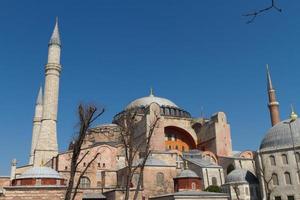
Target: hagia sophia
x=187 y=155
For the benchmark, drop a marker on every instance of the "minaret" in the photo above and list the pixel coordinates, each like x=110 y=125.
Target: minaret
x=37 y=121
x=273 y=103
x=47 y=147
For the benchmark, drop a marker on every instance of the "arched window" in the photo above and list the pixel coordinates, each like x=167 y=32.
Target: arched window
x=272 y=160
x=297 y=157
x=85 y=182
x=193 y=186
x=287 y=177
x=214 y=181
x=284 y=159
x=275 y=179
x=160 y=179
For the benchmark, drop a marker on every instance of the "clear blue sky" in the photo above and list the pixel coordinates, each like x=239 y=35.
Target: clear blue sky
x=195 y=53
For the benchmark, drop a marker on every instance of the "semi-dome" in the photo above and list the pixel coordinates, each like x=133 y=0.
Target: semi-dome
x=279 y=136
x=146 y=101
x=40 y=172
x=187 y=174
x=241 y=175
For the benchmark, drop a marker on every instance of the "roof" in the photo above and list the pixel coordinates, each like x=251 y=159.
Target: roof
x=146 y=101
x=40 y=172
x=201 y=162
x=93 y=196
x=279 y=136
x=187 y=174
x=241 y=175
x=151 y=161
x=192 y=193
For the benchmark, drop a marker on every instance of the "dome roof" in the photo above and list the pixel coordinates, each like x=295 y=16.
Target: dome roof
x=241 y=175
x=146 y=101
x=40 y=172
x=279 y=136
x=187 y=174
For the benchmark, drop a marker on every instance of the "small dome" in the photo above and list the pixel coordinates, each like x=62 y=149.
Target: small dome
x=187 y=174
x=146 y=101
x=241 y=175
x=279 y=136
x=40 y=172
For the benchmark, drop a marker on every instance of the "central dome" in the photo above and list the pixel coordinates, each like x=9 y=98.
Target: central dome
x=146 y=101
x=279 y=136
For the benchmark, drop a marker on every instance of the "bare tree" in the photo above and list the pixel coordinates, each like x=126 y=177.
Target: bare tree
x=87 y=115
x=261 y=172
x=136 y=147
x=254 y=14
x=236 y=191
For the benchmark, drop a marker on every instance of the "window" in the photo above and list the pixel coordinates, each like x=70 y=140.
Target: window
x=278 y=198
x=272 y=160
x=291 y=197
x=160 y=179
x=284 y=159
x=170 y=147
x=176 y=147
x=99 y=165
x=84 y=182
x=298 y=157
x=103 y=165
x=287 y=177
x=275 y=179
x=66 y=167
x=214 y=181
x=193 y=186
x=183 y=148
x=84 y=164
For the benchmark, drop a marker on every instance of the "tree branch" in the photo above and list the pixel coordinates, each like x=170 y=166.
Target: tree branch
x=254 y=14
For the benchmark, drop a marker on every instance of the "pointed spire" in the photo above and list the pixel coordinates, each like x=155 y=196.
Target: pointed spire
x=151 y=92
x=39 y=99
x=270 y=86
x=55 y=38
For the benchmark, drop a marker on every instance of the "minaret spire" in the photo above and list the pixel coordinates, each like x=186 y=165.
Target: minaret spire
x=273 y=103
x=47 y=146
x=37 y=121
x=39 y=99
x=55 y=38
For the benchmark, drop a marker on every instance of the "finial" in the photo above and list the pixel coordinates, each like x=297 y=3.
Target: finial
x=39 y=99
x=55 y=38
x=270 y=86
x=151 y=92
x=293 y=115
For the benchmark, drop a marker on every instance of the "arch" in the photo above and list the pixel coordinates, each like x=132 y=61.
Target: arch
x=84 y=182
x=284 y=159
x=287 y=177
x=160 y=179
x=272 y=160
x=214 y=181
x=275 y=179
x=210 y=155
x=247 y=154
x=179 y=139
